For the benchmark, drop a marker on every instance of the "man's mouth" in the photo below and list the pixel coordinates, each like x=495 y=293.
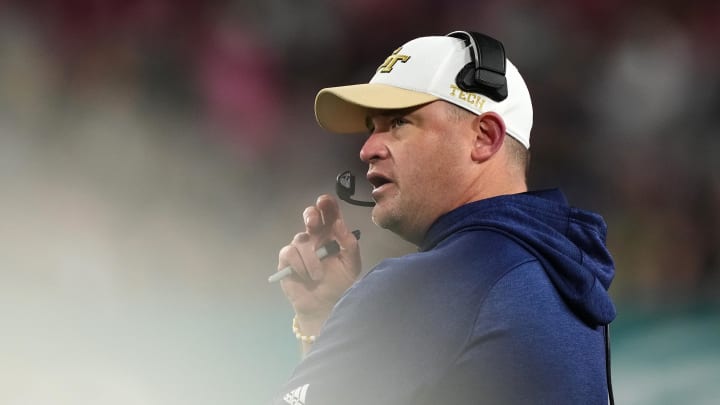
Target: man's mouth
x=378 y=181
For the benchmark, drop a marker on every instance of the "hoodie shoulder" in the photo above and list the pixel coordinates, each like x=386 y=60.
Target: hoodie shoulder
x=567 y=241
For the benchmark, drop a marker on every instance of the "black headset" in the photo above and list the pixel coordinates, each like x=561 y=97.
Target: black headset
x=485 y=74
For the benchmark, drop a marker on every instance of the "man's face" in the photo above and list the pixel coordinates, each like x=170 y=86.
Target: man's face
x=417 y=160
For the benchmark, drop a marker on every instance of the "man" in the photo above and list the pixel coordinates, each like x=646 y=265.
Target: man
x=505 y=301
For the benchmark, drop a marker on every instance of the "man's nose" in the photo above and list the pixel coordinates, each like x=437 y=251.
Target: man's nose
x=374 y=148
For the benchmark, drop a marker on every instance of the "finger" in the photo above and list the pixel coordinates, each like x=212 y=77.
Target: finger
x=289 y=256
x=305 y=247
x=321 y=218
x=329 y=209
x=313 y=221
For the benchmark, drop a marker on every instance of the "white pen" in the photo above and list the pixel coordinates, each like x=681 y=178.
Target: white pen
x=326 y=250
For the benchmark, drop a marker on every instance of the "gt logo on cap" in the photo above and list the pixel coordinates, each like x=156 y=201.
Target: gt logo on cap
x=391 y=60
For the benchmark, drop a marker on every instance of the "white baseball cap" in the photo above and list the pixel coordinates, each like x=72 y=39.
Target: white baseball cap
x=421 y=71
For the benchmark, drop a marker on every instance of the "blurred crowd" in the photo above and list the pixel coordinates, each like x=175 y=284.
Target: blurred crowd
x=142 y=140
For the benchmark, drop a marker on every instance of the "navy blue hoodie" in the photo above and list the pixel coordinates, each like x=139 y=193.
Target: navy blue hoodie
x=503 y=303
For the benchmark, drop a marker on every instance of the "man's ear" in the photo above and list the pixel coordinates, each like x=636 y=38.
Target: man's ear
x=489 y=136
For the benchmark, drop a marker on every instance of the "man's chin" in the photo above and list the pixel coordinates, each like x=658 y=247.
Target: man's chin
x=382 y=216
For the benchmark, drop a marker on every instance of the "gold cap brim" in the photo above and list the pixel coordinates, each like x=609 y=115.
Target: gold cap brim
x=345 y=109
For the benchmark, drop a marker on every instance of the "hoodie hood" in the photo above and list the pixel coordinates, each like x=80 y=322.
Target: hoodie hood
x=569 y=242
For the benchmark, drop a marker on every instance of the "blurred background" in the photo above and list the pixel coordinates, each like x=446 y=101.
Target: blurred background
x=155 y=155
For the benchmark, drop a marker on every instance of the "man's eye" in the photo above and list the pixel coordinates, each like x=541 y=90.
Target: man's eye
x=369 y=125
x=397 y=122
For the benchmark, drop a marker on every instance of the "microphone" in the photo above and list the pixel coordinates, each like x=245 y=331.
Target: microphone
x=345 y=188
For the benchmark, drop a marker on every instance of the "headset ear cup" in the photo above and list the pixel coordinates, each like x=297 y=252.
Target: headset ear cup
x=486 y=82
x=490 y=79
x=465 y=78
x=502 y=92
x=485 y=74
x=493 y=84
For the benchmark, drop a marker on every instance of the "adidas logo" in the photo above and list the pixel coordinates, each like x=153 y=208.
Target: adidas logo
x=297 y=396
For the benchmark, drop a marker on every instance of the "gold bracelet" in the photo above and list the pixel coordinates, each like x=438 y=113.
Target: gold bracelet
x=296 y=330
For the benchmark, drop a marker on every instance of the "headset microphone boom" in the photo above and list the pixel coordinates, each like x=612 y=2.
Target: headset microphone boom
x=345 y=188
